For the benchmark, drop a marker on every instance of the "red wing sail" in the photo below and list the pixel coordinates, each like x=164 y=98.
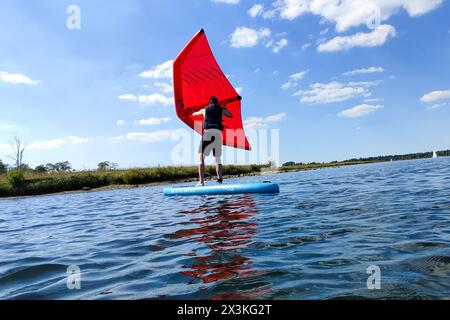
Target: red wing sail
x=197 y=77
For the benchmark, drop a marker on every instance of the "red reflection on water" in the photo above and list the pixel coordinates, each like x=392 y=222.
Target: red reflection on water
x=225 y=228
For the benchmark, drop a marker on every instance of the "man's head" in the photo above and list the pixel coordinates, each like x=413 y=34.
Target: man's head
x=213 y=100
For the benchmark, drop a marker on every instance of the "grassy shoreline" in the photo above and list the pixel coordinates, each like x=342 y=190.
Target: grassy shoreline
x=315 y=166
x=32 y=183
x=53 y=183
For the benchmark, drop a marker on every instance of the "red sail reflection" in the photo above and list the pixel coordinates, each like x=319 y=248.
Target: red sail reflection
x=226 y=229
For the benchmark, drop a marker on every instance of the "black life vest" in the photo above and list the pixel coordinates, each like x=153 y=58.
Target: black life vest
x=213 y=117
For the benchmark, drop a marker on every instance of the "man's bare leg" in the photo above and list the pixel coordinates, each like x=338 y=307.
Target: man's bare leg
x=219 y=170
x=201 y=171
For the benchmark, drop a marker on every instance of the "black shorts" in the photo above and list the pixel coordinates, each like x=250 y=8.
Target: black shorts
x=208 y=143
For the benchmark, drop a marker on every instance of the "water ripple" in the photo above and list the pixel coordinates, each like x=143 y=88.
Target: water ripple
x=314 y=240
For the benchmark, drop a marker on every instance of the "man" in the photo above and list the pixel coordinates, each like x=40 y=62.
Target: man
x=212 y=137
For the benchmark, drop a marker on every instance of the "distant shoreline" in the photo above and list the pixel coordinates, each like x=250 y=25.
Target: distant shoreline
x=30 y=183
x=95 y=181
x=36 y=184
x=126 y=186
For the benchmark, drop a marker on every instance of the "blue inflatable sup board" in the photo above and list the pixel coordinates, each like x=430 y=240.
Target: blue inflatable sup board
x=262 y=187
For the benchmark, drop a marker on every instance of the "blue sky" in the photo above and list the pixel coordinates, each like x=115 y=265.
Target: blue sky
x=336 y=86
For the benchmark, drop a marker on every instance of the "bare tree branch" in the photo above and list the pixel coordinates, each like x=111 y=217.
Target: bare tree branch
x=18 y=150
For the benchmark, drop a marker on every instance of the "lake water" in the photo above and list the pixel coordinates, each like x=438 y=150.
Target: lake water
x=315 y=240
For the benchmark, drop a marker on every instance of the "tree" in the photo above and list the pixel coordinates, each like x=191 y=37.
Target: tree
x=50 y=167
x=24 y=166
x=106 y=165
x=63 y=166
x=41 y=169
x=18 y=151
x=3 y=167
x=103 y=166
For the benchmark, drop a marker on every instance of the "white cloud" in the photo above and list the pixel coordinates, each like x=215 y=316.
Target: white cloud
x=244 y=37
x=78 y=140
x=293 y=80
x=371 y=39
x=128 y=97
x=277 y=45
x=351 y=13
x=297 y=76
x=257 y=70
x=239 y=90
x=164 y=70
x=165 y=87
x=291 y=9
x=359 y=111
x=46 y=145
x=436 y=95
x=226 y=1
x=151 y=99
x=143 y=137
x=275 y=118
x=324 y=32
x=269 y=14
x=365 y=83
x=260 y=122
x=256 y=10
x=287 y=85
x=115 y=139
x=306 y=46
x=372 y=100
x=121 y=122
x=331 y=92
x=16 y=78
x=364 y=71
x=56 y=143
x=155 y=98
x=320 y=40
x=152 y=121
x=438 y=106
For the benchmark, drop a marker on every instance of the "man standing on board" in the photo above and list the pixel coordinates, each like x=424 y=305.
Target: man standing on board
x=212 y=137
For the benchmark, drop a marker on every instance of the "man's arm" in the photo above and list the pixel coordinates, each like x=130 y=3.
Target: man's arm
x=227 y=113
x=199 y=113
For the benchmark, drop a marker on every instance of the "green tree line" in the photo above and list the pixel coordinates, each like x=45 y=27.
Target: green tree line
x=410 y=156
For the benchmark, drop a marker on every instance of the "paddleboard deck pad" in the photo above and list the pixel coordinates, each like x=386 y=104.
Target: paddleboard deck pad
x=262 y=187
